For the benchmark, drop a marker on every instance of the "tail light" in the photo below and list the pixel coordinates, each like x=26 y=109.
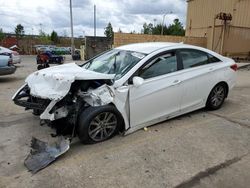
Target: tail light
x=10 y=62
x=234 y=67
x=15 y=53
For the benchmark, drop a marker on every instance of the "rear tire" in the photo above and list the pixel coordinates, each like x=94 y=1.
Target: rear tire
x=216 y=97
x=39 y=61
x=97 y=124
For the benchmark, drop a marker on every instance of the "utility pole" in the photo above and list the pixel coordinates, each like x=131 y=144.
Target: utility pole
x=162 y=23
x=72 y=32
x=212 y=35
x=94 y=20
x=163 y=20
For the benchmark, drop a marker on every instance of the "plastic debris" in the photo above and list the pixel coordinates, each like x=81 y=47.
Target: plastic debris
x=42 y=153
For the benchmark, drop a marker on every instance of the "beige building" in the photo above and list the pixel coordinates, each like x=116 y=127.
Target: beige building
x=228 y=34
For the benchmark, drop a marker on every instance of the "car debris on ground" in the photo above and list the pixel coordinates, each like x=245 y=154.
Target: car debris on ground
x=42 y=153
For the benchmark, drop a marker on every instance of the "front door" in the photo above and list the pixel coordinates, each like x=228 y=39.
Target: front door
x=159 y=96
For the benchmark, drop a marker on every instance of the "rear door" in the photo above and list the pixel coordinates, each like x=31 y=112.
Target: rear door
x=199 y=77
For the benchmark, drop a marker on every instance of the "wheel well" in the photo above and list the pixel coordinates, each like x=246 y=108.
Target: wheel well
x=226 y=86
x=122 y=128
x=220 y=83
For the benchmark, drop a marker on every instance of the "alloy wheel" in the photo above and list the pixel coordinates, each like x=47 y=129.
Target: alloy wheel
x=102 y=126
x=218 y=96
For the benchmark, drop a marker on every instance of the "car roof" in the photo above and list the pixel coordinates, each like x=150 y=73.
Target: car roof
x=148 y=47
x=3 y=49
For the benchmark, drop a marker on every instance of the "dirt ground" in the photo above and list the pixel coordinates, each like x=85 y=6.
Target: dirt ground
x=200 y=149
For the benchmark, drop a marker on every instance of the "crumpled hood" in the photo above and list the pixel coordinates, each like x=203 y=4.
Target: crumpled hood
x=54 y=83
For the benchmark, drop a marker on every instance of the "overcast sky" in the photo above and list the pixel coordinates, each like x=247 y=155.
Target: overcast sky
x=48 y=15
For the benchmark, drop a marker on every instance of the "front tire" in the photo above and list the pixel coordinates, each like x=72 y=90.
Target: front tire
x=97 y=124
x=216 y=97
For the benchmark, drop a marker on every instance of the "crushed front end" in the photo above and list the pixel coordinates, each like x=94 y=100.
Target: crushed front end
x=81 y=95
x=60 y=115
x=58 y=95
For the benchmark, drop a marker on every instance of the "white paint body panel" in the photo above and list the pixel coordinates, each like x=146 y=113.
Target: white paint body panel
x=155 y=98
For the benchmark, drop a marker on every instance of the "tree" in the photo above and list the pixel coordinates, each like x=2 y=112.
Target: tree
x=176 y=28
x=119 y=30
x=173 y=29
x=54 y=37
x=157 y=30
x=19 y=30
x=44 y=38
x=1 y=34
x=109 y=31
x=148 y=28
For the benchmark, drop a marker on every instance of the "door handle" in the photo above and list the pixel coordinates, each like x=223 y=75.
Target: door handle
x=211 y=69
x=176 y=82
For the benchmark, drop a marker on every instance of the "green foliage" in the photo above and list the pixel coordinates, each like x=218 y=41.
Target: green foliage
x=1 y=34
x=19 y=31
x=44 y=38
x=54 y=37
x=176 y=28
x=108 y=31
x=157 y=30
x=173 y=29
x=148 y=28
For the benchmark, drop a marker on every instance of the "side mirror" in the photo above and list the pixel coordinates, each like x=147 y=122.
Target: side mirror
x=137 y=81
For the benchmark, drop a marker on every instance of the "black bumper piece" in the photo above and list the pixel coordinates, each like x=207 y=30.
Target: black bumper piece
x=24 y=99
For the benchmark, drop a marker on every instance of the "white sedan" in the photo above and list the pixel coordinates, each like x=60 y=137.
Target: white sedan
x=128 y=88
x=16 y=58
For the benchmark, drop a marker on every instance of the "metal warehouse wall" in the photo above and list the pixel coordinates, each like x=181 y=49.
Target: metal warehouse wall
x=200 y=16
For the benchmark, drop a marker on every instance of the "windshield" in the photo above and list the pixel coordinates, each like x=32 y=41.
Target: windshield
x=117 y=62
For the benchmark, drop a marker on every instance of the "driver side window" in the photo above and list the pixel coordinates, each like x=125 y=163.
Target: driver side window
x=164 y=64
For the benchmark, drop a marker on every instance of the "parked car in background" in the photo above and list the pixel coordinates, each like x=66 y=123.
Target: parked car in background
x=128 y=88
x=14 y=55
x=77 y=55
x=6 y=65
x=59 y=51
x=49 y=57
x=53 y=49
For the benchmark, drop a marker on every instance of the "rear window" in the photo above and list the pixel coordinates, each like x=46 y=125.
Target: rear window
x=193 y=58
x=213 y=59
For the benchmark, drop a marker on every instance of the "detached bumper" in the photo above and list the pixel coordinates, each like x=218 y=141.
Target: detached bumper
x=43 y=107
x=23 y=98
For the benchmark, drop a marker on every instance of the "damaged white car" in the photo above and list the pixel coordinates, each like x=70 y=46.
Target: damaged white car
x=128 y=88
